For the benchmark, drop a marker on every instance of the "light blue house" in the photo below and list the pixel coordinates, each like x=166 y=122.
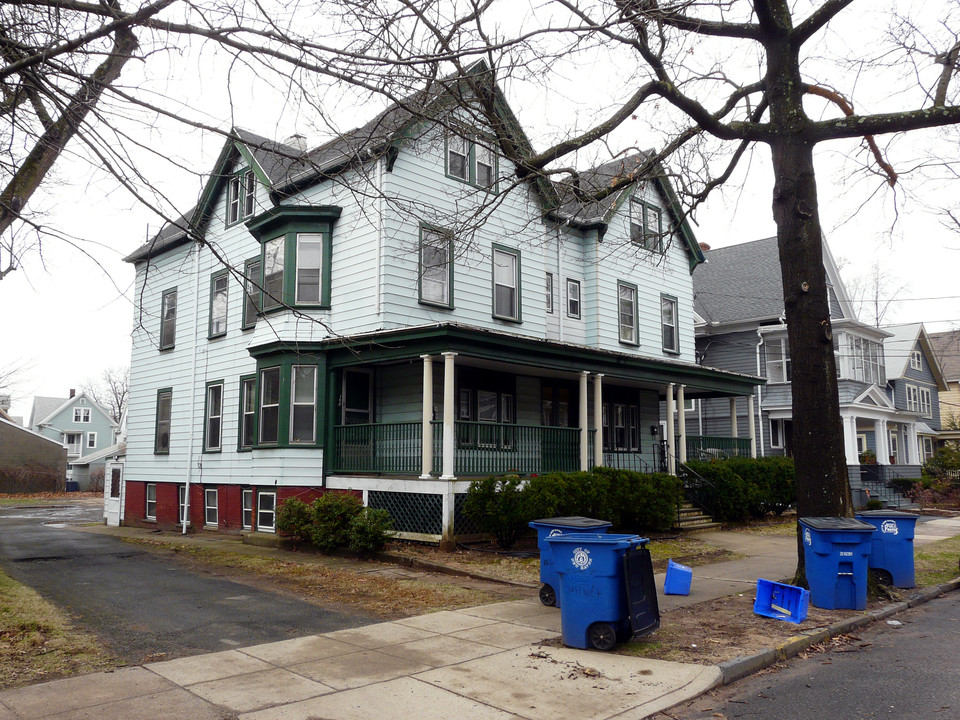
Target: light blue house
x=395 y=313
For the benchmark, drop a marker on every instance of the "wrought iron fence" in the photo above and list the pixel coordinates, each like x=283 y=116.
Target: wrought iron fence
x=711 y=447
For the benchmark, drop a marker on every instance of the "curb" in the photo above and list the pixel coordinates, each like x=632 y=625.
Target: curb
x=740 y=667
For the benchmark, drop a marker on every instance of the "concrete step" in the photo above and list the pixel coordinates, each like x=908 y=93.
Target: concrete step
x=685 y=520
x=698 y=527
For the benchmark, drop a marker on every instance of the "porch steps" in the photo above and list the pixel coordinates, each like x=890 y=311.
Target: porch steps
x=691 y=519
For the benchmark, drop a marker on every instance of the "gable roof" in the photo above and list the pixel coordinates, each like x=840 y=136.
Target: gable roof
x=72 y=401
x=897 y=349
x=946 y=346
x=42 y=408
x=740 y=283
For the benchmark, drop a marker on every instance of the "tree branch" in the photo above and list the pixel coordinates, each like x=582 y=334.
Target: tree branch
x=820 y=17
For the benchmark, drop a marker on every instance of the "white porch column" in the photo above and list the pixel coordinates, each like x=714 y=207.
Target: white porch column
x=584 y=424
x=850 y=440
x=682 y=422
x=752 y=426
x=733 y=417
x=883 y=446
x=911 y=454
x=449 y=430
x=671 y=444
x=426 y=444
x=598 y=419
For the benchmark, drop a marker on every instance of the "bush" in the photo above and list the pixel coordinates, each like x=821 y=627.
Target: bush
x=497 y=506
x=294 y=519
x=945 y=464
x=335 y=520
x=873 y=504
x=725 y=495
x=332 y=514
x=370 y=530
x=638 y=501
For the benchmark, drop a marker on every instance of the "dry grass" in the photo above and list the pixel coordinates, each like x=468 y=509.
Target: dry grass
x=937 y=562
x=46 y=498
x=780 y=527
x=37 y=641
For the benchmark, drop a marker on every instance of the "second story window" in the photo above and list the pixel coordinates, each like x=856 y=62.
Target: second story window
x=248 y=410
x=866 y=361
x=573 y=299
x=627 y=302
x=309 y=266
x=218 y=304
x=168 y=319
x=214 y=417
x=436 y=267
x=273 y=273
x=548 y=289
x=161 y=443
x=251 y=294
x=778 y=361
x=506 y=284
x=668 y=322
x=240 y=197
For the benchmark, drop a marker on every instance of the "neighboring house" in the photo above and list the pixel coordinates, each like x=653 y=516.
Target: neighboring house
x=79 y=424
x=914 y=382
x=398 y=319
x=29 y=462
x=738 y=298
x=946 y=346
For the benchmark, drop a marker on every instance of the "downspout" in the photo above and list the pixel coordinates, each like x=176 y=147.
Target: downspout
x=380 y=226
x=760 y=396
x=193 y=387
x=561 y=313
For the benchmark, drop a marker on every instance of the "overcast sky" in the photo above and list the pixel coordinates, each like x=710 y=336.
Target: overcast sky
x=66 y=319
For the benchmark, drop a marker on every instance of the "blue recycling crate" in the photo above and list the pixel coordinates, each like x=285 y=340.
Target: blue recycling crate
x=781 y=601
x=678 y=579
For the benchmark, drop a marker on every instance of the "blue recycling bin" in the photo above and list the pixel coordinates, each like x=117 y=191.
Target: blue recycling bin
x=835 y=558
x=891 y=550
x=551 y=527
x=607 y=588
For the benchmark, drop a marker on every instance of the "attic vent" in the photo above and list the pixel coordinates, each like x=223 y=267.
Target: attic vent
x=297 y=141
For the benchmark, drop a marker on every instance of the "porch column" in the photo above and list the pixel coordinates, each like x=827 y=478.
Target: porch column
x=426 y=445
x=883 y=448
x=850 y=440
x=449 y=399
x=682 y=422
x=733 y=418
x=671 y=440
x=598 y=419
x=584 y=425
x=911 y=454
x=752 y=427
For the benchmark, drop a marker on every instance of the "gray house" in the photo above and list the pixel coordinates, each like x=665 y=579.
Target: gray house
x=738 y=299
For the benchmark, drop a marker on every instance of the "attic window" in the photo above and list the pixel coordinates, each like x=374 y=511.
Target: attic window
x=646 y=225
x=467 y=159
x=242 y=192
x=915 y=362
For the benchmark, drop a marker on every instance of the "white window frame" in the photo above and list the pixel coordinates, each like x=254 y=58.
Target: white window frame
x=248 y=410
x=926 y=447
x=303 y=241
x=435 y=277
x=271 y=511
x=671 y=302
x=219 y=287
x=150 y=497
x=861 y=443
x=915 y=360
x=182 y=504
x=213 y=418
x=778 y=368
x=548 y=290
x=81 y=415
x=273 y=406
x=241 y=196
x=91 y=441
x=73 y=448
x=776 y=433
x=913 y=398
x=629 y=331
x=246 y=509
x=574 y=306
x=926 y=402
x=311 y=403
x=893 y=438
x=504 y=280
x=210 y=510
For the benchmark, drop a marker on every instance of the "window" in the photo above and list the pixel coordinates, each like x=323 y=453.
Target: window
x=627 y=303
x=248 y=411
x=469 y=160
x=778 y=361
x=646 y=225
x=309 y=265
x=168 y=319
x=484 y=164
x=486 y=406
x=894 y=446
x=214 y=418
x=91 y=441
x=927 y=447
x=74 y=442
x=573 y=299
x=81 y=415
x=303 y=405
x=270 y=405
x=242 y=193
x=548 y=288
x=915 y=361
x=624 y=436
x=251 y=293
x=866 y=360
x=926 y=408
x=247 y=519
x=115 y=482
x=272 y=273
x=218 y=304
x=151 y=511
x=436 y=267
x=506 y=284
x=776 y=434
x=210 y=507
x=266 y=511
x=357 y=397
x=182 y=496
x=458 y=157
x=861 y=443
x=913 y=398
x=668 y=323
x=161 y=442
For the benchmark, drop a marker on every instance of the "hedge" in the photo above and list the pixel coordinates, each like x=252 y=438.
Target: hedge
x=738 y=488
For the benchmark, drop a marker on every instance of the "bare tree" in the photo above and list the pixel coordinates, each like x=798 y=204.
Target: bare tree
x=874 y=294
x=111 y=390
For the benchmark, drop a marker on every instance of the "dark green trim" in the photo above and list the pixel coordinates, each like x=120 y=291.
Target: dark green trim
x=642 y=206
x=449 y=236
x=163 y=302
x=676 y=325
x=636 y=313
x=206 y=417
x=156 y=423
x=220 y=274
x=493 y=283
x=240 y=446
x=252 y=163
x=241 y=173
x=472 y=140
x=284 y=361
x=579 y=315
x=258 y=295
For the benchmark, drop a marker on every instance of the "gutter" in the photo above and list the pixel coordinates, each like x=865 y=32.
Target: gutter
x=759 y=396
x=193 y=388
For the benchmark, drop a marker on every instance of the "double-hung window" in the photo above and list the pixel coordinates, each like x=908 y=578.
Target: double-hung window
x=778 y=360
x=646 y=225
x=915 y=361
x=218 y=304
x=273 y=252
x=91 y=441
x=81 y=415
x=248 y=412
x=161 y=442
x=458 y=157
x=627 y=303
x=470 y=160
x=436 y=267
x=266 y=511
x=251 y=293
x=548 y=290
x=151 y=509
x=668 y=323
x=506 y=284
x=241 y=196
x=270 y=406
x=484 y=166
x=573 y=299
x=309 y=266
x=303 y=404
x=247 y=512
x=926 y=408
x=182 y=495
x=913 y=398
x=213 y=427
x=168 y=319
x=210 y=507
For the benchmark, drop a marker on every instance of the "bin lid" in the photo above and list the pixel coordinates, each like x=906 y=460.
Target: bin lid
x=573 y=521
x=887 y=514
x=622 y=540
x=837 y=524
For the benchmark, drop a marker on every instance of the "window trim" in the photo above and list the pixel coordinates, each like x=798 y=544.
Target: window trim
x=164 y=321
x=148 y=502
x=241 y=447
x=784 y=361
x=638 y=219
x=252 y=296
x=471 y=141
x=518 y=275
x=294 y=404
x=776 y=436
x=635 y=319
x=220 y=275
x=245 y=511
x=320 y=238
x=157 y=449
x=207 y=417
x=183 y=504
x=206 y=507
x=442 y=235
x=916 y=355
x=675 y=350
x=579 y=313
x=548 y=291
x=242 y=192
x=91 y=438
x=926 y=401
x=267 y=528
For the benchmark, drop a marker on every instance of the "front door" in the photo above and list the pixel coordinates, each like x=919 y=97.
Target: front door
x=113 y=495
x=559 y=409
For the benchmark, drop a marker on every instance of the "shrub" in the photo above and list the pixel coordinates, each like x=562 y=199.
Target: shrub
x=333 y=513
x=497 y=506
x=873 y=504
x=294 y=519
x=370 y=530
x=558 y=495
x=726 y=495
x=638 y=501
x=781 y=483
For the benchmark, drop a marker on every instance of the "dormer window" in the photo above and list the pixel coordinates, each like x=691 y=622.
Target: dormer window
x=241 y=195
x=646 y=225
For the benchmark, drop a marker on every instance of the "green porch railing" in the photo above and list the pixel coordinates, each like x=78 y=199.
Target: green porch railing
x=497 y=448
x=378 y=447
x=710 y=447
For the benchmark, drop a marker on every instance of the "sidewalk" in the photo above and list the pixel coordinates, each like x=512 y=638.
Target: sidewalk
x=484 y=662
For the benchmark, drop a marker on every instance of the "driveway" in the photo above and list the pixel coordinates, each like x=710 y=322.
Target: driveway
x=143 y=606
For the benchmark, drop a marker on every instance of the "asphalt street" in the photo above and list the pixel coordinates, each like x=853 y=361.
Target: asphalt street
x=144 y=606
x=908 y=668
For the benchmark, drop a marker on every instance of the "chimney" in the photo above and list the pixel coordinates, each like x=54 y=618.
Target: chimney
x=704 y=246
x=72 y=392
x=297 y=141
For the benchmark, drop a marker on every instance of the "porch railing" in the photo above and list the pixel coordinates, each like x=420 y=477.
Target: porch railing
x=710 y=447
x=497 y=448
x=377 y=447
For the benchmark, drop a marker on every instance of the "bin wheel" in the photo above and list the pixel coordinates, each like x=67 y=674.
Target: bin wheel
x=882 y=576
x=548 y=596
x=602 y=636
